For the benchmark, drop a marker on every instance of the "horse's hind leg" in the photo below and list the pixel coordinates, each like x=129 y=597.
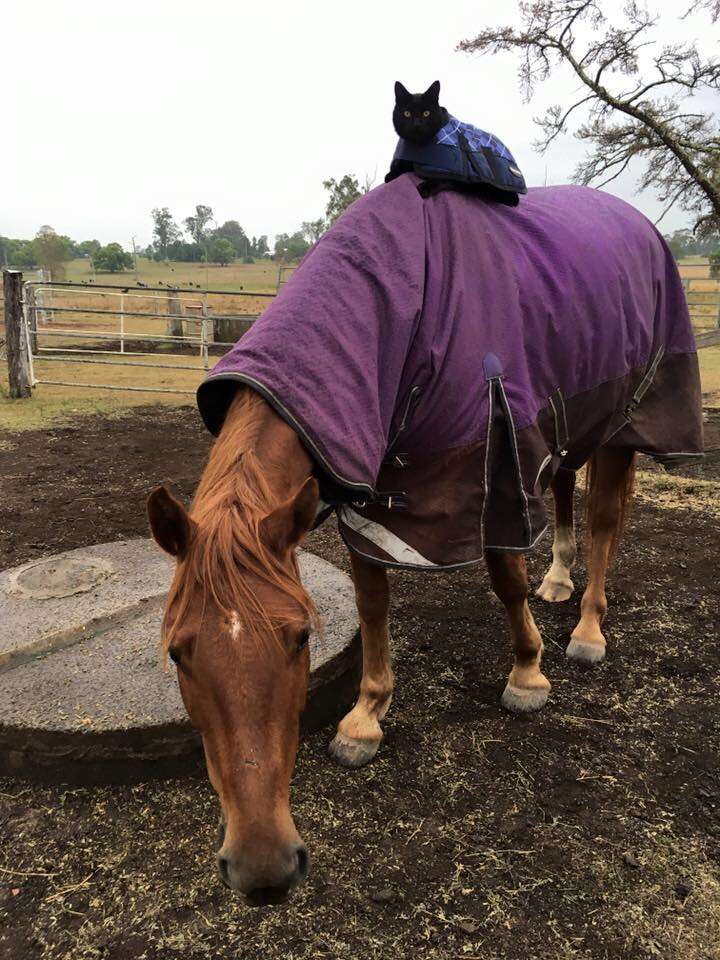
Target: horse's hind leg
x=609 y=486
x=527 y=688
x=557 y=585
x=359 y=733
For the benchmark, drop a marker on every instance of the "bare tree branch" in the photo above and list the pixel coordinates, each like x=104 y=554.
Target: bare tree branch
x=673 y=200
x=553 y=123
x=680 y=148
x=712 y=5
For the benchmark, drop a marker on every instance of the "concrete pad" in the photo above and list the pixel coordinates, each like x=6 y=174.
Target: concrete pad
x=84 y=697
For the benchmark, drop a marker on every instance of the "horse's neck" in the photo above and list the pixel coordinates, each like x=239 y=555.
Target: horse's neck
x=284 y=460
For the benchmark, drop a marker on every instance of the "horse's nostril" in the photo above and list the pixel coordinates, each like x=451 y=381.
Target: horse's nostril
x=303 y=863
x=222 y=866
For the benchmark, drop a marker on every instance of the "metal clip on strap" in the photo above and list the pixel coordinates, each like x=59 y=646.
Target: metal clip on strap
x=390 y=499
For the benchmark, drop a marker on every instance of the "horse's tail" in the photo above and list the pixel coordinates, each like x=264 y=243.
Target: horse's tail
x=598 y=489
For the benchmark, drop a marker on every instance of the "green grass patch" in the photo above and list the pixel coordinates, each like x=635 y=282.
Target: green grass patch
x=55 y=406
x=710 y=375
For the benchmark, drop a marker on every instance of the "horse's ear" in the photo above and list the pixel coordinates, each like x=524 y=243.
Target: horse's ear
x=433 y=91
x=401 y=94
x=170 y=523
x=285 y=527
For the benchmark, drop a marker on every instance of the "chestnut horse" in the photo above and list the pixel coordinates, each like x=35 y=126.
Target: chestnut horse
x=238 y=620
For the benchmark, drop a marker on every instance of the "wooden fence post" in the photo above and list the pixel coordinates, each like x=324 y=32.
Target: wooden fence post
x=174 y=324
x=31 y=318
x=45 y=294
x=16 y=344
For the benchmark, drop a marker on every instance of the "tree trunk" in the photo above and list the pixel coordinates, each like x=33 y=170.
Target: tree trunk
x=15 y=337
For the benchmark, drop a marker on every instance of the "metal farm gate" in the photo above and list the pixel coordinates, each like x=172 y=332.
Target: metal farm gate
x=52 y=327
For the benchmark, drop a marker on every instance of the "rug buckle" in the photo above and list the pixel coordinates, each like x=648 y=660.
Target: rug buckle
x=392 y=499
x=397 y=460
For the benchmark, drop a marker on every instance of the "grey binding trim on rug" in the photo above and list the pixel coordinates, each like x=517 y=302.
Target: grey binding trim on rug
x=388 y=541
x=290 y=419
x=397 y=565
x=669 y=456
x=532 y=541
x=526 y=549
x=487 y=459
x=542 y=466
x=518 y=470
x=562 y=434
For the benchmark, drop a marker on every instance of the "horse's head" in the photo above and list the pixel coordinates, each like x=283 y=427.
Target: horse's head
x=236 y=626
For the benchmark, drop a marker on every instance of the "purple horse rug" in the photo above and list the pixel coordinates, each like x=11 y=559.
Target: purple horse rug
x=442 y=358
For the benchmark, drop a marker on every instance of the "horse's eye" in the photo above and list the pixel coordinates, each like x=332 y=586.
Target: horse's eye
x=426 y=113
x=303 y=640
x=174 y=656
x=406 y=113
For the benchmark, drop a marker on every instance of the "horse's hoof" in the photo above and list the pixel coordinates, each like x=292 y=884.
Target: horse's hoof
x=523 y=700
x=552 y=591
x=585 y=652
x=353 y=753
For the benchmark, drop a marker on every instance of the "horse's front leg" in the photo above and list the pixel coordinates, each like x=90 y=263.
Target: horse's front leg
x=527 y=688
x=557 y=585
x=359 y=733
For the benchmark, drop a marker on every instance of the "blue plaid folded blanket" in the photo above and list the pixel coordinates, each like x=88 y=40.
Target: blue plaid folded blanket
x=462 y=153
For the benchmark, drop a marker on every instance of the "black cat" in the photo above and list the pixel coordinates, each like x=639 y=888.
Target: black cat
x=417 y=117
x=468 y=161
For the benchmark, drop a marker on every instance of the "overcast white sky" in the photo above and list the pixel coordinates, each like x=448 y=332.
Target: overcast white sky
x=118 y=108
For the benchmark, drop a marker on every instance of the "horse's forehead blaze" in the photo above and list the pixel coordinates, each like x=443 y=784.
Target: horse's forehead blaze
x=235 y=625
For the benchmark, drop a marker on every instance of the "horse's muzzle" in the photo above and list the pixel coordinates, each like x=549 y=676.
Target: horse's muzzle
x=264 y=876
x=270 y=883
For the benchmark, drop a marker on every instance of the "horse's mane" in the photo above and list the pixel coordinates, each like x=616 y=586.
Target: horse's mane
x=231 y=502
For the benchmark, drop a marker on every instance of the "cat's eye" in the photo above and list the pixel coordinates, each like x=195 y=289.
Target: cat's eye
x=406 y=113
x=426 y=113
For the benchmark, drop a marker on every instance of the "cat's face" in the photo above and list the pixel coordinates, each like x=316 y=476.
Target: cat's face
x=417 y=117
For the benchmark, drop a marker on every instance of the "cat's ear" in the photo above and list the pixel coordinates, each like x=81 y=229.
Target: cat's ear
x=433 y=92
x=401 y=94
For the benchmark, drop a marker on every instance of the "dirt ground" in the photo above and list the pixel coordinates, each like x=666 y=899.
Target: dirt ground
x=589 y=831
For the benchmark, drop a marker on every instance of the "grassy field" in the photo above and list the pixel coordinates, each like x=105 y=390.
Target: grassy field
x=64 y=404
x=261 y=275
x=710 y=375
